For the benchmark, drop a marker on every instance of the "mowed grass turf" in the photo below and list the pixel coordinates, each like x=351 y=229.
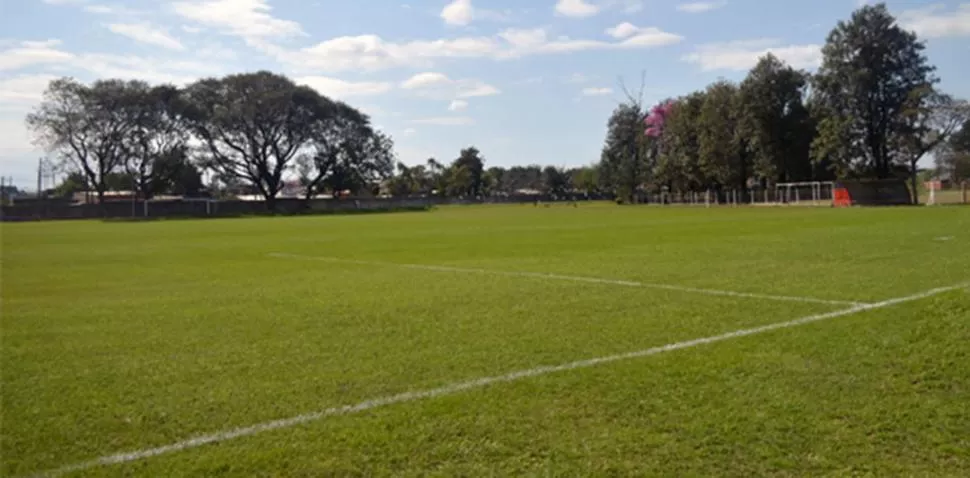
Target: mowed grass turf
x=119 y=337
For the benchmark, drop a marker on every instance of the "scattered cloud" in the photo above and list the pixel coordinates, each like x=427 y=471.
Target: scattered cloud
x=744 y=54
x=445 y=121
x=597 y=91
x=458 y=105
x=440 y=86
x=424 y=80
x=29 y=53
x=622 y=30
x=339 y=89
x=701 y=7
x=371 y=52
x=576 y=8
x=146 y=33
x=458 y=12
x=21 y=92
x=249 y=19
x=935 y=22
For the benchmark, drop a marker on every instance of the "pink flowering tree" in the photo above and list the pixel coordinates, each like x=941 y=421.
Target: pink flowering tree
x=655 y=120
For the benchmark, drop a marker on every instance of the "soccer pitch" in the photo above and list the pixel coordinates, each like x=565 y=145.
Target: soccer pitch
x=491 y=341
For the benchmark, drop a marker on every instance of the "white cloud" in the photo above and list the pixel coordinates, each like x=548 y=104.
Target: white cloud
x=597 y=91
x=371 y=52
x=458 y=12
x=576 y=8
x=337 y=88
x=458 y=105
x=250 y=19
x=934 y=22
x=29 y=53
x=445 y=121
x=622 y=30
x=21 y=92
x=146 y=33
x=701 y=7
x=439 y=86
x=424 y=80
x=744 y=54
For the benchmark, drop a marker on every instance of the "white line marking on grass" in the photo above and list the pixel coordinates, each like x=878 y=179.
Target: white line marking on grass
x=477 y=383
x=593 y=280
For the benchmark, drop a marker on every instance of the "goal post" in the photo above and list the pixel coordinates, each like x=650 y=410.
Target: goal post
x=806 y=193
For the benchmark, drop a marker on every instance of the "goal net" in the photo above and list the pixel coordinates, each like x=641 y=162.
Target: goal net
x=806 y=193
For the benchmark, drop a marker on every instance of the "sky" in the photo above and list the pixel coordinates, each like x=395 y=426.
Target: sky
x=526 y=82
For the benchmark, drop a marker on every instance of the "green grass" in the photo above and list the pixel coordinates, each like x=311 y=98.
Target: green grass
x=124 y=336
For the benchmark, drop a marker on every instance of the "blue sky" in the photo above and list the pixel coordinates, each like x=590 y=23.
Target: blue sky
x=530 y=81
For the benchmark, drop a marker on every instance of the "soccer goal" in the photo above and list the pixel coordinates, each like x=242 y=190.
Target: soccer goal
x=811 y=193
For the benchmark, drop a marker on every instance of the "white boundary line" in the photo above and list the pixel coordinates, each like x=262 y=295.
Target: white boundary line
x=477 y=383
x=593 y=280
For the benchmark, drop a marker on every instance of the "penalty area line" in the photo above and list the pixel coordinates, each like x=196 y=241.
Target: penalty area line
x=561 y=277
x=459 y=387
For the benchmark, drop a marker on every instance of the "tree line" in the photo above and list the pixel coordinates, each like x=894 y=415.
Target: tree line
x=249 y=129
x=872 y=110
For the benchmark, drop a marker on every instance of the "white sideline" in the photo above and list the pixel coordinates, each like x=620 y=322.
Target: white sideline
x=477 y=383
x=593 y=280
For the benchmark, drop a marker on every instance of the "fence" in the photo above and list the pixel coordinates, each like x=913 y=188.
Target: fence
x=40 y=209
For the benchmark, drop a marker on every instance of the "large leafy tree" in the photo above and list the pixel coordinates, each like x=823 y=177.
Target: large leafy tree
x=678 y=164
x=555 y=181
x=932 y=119
x=870 y=69
x=344 y=152
x=624 y=154
x=468 y=171
x=88 y=126
x=722 y=155
x=253 y=125
x=776 y=122
x=156 y=149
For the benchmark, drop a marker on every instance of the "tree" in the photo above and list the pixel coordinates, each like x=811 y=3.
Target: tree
x=468 y=173
x=368 y=158
x=776 y=121
x=344 y=151
x=953 y=158
x=722 y=156
x=931 y=119
x=86 y=125
x=555 y=181
x=624 y=151
x=870 y=70
x=435 y=170
x=678 y=164
x=75 y=182
x=157 y=145
x=253 y=125
x=586 y=179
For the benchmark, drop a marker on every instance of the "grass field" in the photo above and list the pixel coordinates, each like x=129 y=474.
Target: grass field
x=126 y=337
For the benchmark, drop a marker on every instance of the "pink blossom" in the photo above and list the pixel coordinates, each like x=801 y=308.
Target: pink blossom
x=655 y=120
